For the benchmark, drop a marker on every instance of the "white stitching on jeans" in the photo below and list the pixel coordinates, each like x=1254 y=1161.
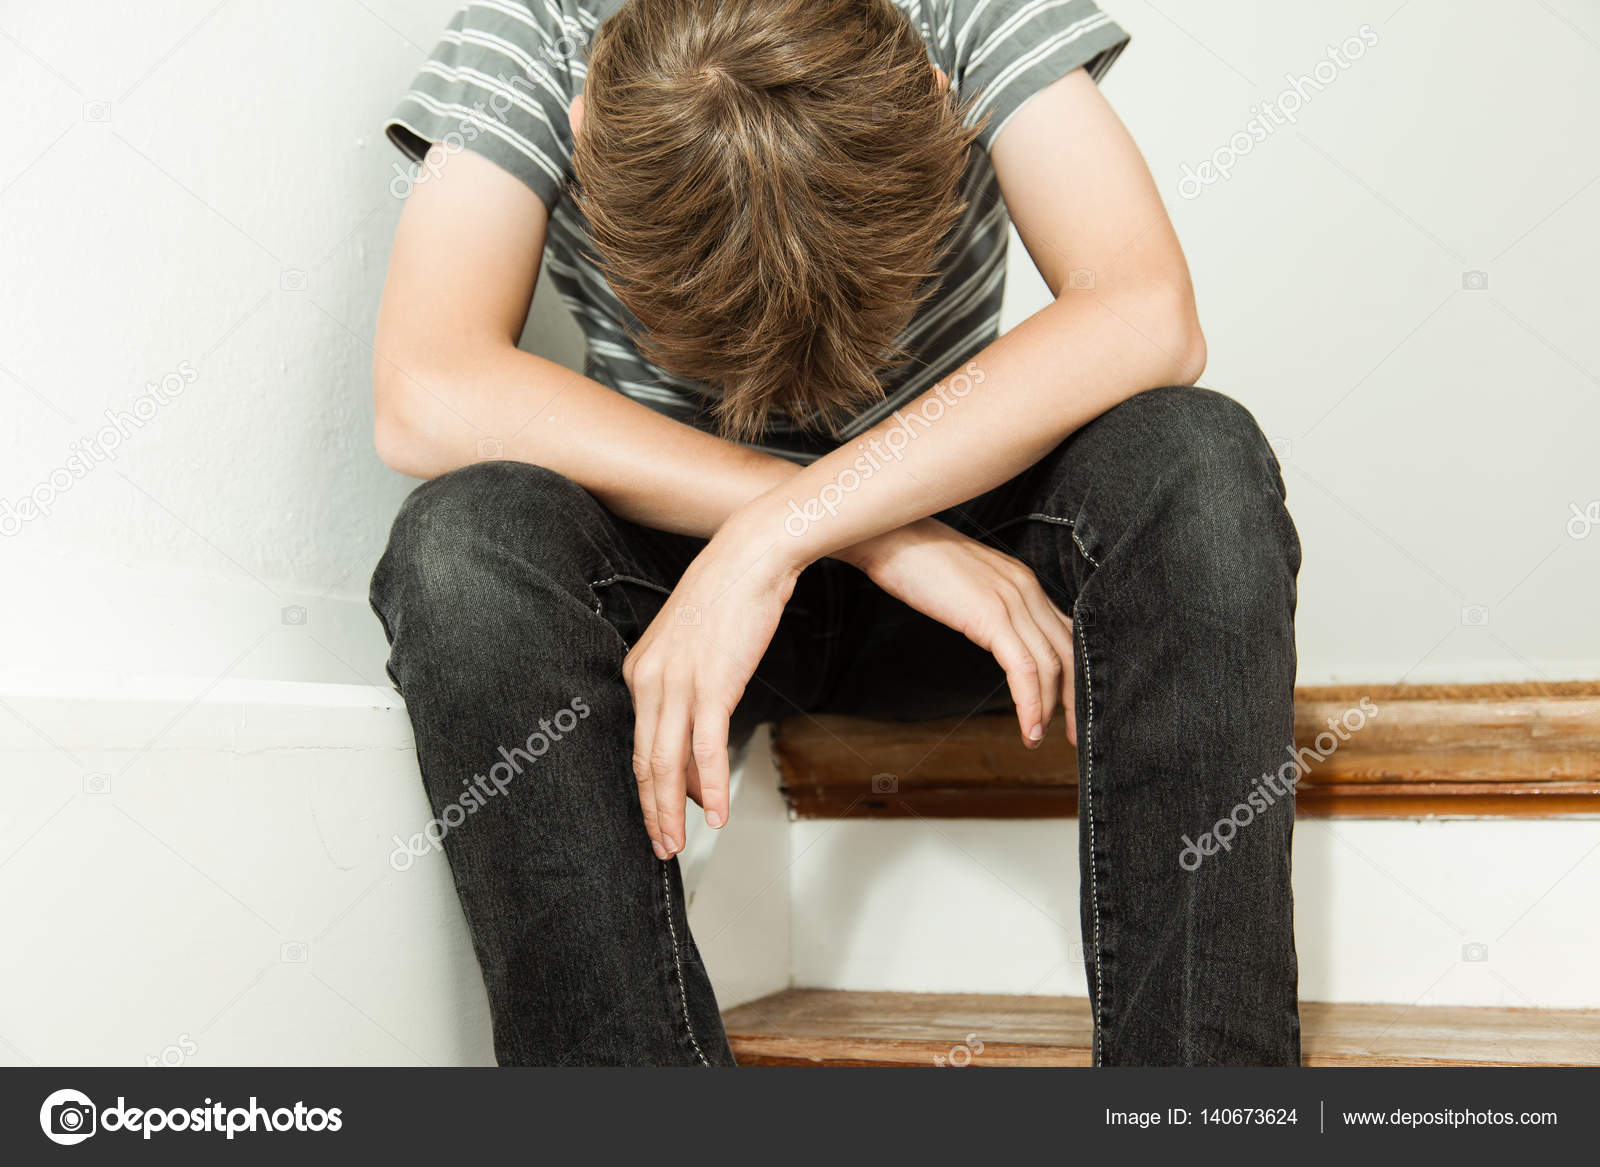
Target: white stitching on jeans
x=1072 y=529
x=633 y=579
x=1088 y=802
x=683 y=991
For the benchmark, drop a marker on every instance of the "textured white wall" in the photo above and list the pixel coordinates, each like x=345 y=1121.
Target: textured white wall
x=199 y=187
x=1434 y=435
x=1493 y=913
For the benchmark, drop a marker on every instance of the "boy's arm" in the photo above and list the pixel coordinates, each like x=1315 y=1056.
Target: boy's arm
x=1122 y=321
x=447 y=373
x=1083 y=201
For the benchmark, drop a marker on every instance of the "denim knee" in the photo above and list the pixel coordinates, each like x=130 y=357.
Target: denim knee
x=1179 y=487
x=457 y=537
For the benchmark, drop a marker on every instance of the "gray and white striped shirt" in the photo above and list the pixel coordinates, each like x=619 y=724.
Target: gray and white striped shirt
x=505 y=71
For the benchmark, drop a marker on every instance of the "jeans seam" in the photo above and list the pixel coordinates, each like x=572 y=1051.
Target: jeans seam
x=618 y=577
x=1087 y=794
x=677 y=961
x=1094 y=855
x=1071 y=527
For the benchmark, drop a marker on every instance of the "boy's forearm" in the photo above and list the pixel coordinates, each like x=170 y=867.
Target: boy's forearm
x=1013 y=403
x=499 y=402
x=980 y=426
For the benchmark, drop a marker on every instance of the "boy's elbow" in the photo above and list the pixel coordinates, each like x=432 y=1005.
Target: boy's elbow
x=1191 y=351
x=1183 y=342
x=393 y=432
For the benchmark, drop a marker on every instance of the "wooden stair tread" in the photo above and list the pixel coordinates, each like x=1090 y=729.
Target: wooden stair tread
x=841 y=1028
x=1514 y=750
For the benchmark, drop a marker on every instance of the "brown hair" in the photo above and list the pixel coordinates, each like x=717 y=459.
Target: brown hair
x=767 y=183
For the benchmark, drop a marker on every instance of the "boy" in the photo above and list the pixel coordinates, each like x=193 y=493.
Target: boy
x=802 y=473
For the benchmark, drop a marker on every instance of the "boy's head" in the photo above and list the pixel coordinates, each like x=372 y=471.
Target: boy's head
x=767 y=182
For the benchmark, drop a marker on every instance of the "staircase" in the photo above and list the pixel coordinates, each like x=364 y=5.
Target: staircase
x=1430 y=752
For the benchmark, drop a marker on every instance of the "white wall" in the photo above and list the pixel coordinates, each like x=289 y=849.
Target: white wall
x=1493 y=913
x=202 y=187
x=1436 y=436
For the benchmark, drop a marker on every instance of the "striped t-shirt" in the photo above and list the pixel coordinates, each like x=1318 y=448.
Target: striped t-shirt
x=504 y=73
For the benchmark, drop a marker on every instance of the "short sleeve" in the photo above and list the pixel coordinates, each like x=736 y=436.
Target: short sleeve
x=498 y=84
x=1005 y=51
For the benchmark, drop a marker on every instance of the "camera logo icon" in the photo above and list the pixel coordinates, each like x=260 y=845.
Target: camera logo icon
x=1474 y=281
x=1475 y=616
x=292 y=280
x=1080 y=279
x=885 y=783
x=1583 y=520
x=67 y=1117
x=491 y=448
x=1474 y=952
x=293 y=614
x=689 y=614
x=294 y=952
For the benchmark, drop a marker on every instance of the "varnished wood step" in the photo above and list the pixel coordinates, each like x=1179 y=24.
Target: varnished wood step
x=1514 y=750
x=819 y=1027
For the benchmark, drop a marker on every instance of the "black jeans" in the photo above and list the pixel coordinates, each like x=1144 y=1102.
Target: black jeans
x=510 y=596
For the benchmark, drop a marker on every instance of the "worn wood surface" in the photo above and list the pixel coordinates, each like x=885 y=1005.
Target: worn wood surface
x=1493 y=750
x=815 y=1027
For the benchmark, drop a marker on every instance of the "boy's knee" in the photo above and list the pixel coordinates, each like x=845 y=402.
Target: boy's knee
x=1186 y=490
x=463 y=542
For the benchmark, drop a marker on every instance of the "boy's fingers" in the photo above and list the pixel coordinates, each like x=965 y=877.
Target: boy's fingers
x=1022 y=677
x=710 y=758
x=1042 y=650
x=644 y=721
x=691 y=782
x=1057 y=629
x=669 y=756
x=1061 y=639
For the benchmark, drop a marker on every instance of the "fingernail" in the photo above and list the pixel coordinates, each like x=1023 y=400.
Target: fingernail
x=713 y=819
x=666 y=841
x=661 y=852
x=1036 y=734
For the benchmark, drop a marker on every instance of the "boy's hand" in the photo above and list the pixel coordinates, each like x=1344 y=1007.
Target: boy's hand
x=993 y=600
x=689 y=669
